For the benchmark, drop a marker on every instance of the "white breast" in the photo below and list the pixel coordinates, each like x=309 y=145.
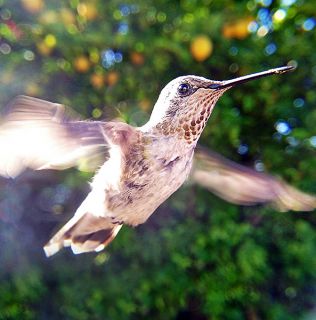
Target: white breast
x=109 y=175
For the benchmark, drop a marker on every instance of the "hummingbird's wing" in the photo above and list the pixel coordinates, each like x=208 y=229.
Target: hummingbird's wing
x=241 y=185
x=39 y=134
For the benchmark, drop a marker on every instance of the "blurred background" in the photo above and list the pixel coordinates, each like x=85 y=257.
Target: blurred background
x=198 y=257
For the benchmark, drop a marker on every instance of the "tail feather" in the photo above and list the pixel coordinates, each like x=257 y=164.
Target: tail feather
x=83 y=234
x=96 y=241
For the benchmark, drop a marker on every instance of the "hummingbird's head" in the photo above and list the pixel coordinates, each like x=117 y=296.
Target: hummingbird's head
x=185 y=104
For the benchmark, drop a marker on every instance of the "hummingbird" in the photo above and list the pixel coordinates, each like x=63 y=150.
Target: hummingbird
x=141 y=166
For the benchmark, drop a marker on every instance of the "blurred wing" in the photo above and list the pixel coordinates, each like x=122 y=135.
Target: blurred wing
x=244 y=186
x=43 y=135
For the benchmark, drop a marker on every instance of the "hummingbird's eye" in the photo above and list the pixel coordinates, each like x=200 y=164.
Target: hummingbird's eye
x=184 y=89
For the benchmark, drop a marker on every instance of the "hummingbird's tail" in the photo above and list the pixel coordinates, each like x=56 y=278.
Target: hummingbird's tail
x=83 y=233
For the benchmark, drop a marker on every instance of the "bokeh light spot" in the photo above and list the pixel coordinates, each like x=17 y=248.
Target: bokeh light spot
x=270 y=49
x=233 y=67
x=161 y=17
x=279 y=15
x=96 y=113
x=309 y=24
x=290 y=292
x=123 y=28
x=188 y=18
x=5 y=48
x=117 y=15
x=110 y=57
x=293 y=63
x=50 y=40
x=312 y=141
x=242 y=149
x=287 y=2
x=264 y=15
x=262 y=31
x=28 y=55
x=259 y=166
x=253 y=26
x=233 y=51
x=283 y=127
x=125 y=10
x=298 y=103
x=265 y=3
x=292 y=141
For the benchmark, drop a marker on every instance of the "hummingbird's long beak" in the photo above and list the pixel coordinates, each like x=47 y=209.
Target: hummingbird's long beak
x=233 y=82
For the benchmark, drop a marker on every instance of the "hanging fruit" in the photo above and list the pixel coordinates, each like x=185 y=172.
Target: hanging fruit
x=82 y=64
x=145 y=104
x=67 y=16
x=97 y=80
x=48 y=17
x=237 y=29
x=33 y=6
x=112 y=78
x=43 y=49
x=87 y=10
x=201 y=48
x=137 y=58
x=50 y=40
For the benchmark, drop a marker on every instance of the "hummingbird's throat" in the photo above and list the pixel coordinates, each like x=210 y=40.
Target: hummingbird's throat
x=190 y=121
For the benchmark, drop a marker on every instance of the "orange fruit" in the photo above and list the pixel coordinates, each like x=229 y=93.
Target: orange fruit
x=43 y=48
x=33 y=6
x=137 y=58
x=237 y=30
x=112 y=78
x=201 y=47
x=87 y=10
x=50 y=40
x=97 y=80
x=145 y=104
x=67 y=16
x=48 y=17
x=82 y=64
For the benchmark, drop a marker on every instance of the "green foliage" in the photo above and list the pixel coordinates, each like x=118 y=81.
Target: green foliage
x=197 y=257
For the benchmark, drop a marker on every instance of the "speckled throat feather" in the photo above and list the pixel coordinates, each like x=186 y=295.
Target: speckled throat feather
x=188 y=123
